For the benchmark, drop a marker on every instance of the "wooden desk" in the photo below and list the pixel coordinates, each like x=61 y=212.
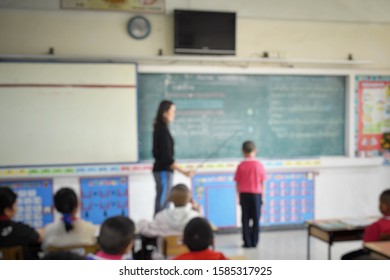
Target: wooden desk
x=332 y=231
x=380 y=249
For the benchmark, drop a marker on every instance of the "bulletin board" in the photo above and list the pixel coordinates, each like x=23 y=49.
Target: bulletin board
x=288 y=199
x=34 y=201
x=373 y=111
x=104 y=197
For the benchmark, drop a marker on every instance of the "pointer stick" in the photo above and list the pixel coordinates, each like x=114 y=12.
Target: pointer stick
x=216 y=151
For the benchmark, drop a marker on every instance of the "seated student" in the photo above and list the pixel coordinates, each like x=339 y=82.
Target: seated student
x=116 y=239
x=374 y=231
x=170 y=221
x=198 y=237
x=70 y=230
x=16 y=233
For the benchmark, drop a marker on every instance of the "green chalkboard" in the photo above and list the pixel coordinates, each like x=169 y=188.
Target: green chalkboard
x=287 y=116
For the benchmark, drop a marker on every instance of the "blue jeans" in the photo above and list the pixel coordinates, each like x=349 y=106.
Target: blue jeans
x=163 y=187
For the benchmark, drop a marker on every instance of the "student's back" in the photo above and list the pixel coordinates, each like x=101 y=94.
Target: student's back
x=70 y=230
x=250 y=177
x=198 y=237
x=206 y=254
x=16 y=233
x=171 y=221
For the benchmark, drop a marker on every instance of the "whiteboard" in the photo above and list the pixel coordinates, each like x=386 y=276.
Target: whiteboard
x=67 y=113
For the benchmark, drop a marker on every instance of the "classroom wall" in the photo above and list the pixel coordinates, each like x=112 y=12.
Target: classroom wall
x=340 y=191
x=103 y=34
x=350 y=192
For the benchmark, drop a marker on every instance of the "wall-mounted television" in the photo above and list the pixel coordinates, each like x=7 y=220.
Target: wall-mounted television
x=205 y=32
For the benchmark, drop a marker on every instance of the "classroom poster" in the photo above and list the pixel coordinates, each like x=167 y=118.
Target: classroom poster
x=373 y=113
x=34 y=201
x=288 y=199
x=104 y=197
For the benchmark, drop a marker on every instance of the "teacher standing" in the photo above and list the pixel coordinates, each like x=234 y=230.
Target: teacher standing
x=163 y=153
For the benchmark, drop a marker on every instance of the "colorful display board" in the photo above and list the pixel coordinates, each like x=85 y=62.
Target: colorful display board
x=288 y=198
x=103 y=197
x=34 y=202
x=373 y=111
x=215 y=193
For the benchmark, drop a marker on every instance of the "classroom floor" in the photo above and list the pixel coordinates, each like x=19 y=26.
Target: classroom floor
x=282 y=245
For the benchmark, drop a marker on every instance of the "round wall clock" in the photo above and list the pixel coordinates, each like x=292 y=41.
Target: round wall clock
x=138 y=27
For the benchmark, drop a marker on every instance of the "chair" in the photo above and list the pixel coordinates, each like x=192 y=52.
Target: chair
x=78 y=249
x=237 y=257
x=148 y=245
x=11 y=253
x=173 y=245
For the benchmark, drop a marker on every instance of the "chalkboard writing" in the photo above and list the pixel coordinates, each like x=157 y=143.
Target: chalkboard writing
x=287 y=116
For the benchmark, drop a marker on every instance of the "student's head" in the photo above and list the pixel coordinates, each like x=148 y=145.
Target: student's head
x=165 y=113
x=248 y=148
x=116 y=235
x=7 y=202
x=198 y=234
x=66 y=202
x=384 y=202
x=180 y=195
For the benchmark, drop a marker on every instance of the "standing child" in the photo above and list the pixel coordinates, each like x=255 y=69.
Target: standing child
x=250 y=177
x=16 y=233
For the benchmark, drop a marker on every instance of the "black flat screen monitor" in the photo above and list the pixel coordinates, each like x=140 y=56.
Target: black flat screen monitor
x=205 y=32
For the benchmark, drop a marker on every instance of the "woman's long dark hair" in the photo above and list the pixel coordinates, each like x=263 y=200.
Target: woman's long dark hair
x=164 y=106
x=65 y=201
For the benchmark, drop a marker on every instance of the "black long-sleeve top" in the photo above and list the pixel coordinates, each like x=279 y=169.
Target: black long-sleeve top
x=163 y=152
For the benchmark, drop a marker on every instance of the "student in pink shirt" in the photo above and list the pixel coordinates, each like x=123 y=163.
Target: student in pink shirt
x=250 y=177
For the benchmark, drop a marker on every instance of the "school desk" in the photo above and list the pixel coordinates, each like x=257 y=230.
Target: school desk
x=336 y=230
x=379 y=249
